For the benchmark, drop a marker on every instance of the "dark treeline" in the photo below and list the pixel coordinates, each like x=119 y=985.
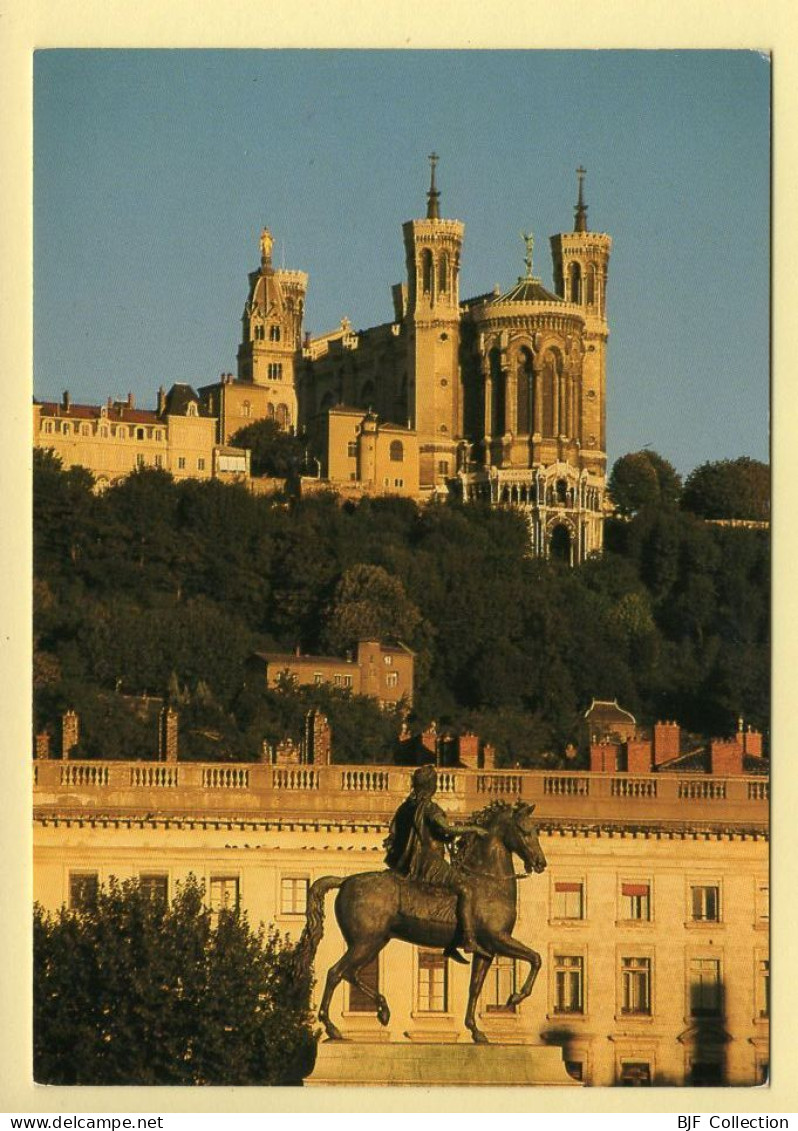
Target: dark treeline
x=161 y=589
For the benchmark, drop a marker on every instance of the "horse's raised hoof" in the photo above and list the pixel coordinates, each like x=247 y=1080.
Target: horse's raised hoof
x=514 y=1000
x=333 y=1032
x=383 y=1013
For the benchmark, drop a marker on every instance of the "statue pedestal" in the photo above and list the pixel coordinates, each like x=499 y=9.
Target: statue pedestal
x=421 y=1065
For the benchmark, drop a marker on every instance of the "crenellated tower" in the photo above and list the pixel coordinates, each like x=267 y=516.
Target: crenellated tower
x=432 y=320
x=581 y=260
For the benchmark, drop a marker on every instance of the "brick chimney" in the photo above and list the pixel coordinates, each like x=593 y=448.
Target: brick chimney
x=167 y=735
x=638 y=756
x=70 y=733
x=43 y=746
x=318 y=739
x=749 y=739
x=666 y=742
x=488 y=757
x=468 y=751
x=604 y=757
x=725 y=757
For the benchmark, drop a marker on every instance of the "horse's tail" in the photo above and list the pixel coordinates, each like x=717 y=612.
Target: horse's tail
x=314 y=925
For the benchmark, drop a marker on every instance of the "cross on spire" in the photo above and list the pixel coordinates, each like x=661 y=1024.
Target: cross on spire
x=433 y=196
x=580 y=224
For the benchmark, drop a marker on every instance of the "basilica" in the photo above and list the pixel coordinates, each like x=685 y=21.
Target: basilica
x=500 y=396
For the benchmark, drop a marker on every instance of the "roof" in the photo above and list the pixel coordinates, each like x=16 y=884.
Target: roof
x=179 y=397
x=527 y=289
x=94 y=412
x=605 y=711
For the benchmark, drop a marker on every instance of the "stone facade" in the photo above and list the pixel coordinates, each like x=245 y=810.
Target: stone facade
x=652 y=917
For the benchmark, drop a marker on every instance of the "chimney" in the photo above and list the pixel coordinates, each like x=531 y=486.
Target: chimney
x=43 y=746
x=666 y=742
x=70 y=733
x=638 y=756
x=468 y=751
x=131 y=403
x=488 y=757
x=66 y=400
x=318 y=739
x=604 y=757
x=725 y=758
x=161 y=401
x=167 y=735
x=752 y=743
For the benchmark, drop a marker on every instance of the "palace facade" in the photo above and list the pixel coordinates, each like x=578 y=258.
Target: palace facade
x=652 y=917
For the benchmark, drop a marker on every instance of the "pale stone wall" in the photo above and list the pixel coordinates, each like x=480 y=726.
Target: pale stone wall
x=601 y=832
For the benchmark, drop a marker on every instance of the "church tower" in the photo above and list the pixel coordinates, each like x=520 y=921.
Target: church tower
x=580 y=260
x=272 y=331
x=432 y=321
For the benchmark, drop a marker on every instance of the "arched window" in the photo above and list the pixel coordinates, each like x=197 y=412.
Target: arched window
x=426 y=270
x=550 y=367
x=270 y=411
x=274 y=333
x=524 y=390
x=282 y=415
x=397 y=451
x=591 y=286
x=575 y=282
x=560 y=544
x=443 y=273
x=562 y=491
x=246 y=409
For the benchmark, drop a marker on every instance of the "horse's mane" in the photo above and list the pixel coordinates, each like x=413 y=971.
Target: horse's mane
x=486 y=818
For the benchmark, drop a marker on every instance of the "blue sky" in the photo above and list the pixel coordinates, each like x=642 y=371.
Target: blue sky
x=154 y=172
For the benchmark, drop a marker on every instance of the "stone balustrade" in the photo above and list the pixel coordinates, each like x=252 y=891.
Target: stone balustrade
x=259 y=790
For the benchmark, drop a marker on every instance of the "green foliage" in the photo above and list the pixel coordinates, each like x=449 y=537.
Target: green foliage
x=129 y=991
x=643 y=479
x=274 y=451
x=729 y=489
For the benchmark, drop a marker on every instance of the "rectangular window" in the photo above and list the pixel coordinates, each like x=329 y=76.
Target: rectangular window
x=433 y=987
x=443 y=467
x=293 y=895
x=568 y=983
x=635 y=1074
x=705 y=903
x=501 y=982
x=568 y=899
x=369 y=975
x=636 y=985
x=763 y=987
x=636 y=902
x=392 y=679
x=83 y=890
x=181 y=462
x=200 y=464
x=387 y=660
x=139 y=460
x=351 y=448
x=155 y=885
x=338 y=680
x=705 y=987
x=224 y=894
x=159 y=461
x=318 y=679
x=762 y=905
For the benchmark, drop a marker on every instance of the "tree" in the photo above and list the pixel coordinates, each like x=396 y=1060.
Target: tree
x=133 y=991
x=643 y=479
x=369 y=604
x=274 y=451
x=729 y=488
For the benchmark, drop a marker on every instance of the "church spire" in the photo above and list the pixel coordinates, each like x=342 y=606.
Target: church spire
x=580 y=223
x=433 y=196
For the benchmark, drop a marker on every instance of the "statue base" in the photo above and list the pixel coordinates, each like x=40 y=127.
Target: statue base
x=367 y=1064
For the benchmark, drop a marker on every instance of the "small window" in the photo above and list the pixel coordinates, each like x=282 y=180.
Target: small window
x=246 y=409
x=502 y=981
x=388 y=661
x=635 y=1074
x=569 y=900
x=351 y=448
x=762 y=905
x=636 y=985
x=155 y=886
x=139 y=433
x=293 y=895
x=443 y=467
x=318 y=679
x=84 y=888
x=274 y=333
x=224 y=894
x=139 y=460
x=86 y=430
x=705 y=987
x=159 y=461
x=568 y=983
x=636 y=902
x=396 y=451
x=181 y=462
x=392 y=679
x=347 y=681
x=705 y=903
x=338 y=680
x=433 y=982
x=763 y=987
x=200 y=464
x=48 y=426
x=191 y=409
x=398 y=482
x=369 y=975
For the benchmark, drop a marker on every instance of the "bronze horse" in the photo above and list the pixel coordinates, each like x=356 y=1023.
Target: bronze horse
x=374 y=907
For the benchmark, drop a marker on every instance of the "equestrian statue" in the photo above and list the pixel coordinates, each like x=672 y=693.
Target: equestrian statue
x=467 y=904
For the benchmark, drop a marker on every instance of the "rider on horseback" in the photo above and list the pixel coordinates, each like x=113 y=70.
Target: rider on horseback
x=418 y=833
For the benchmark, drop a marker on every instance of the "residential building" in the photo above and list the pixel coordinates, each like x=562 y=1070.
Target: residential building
x=381 y=670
